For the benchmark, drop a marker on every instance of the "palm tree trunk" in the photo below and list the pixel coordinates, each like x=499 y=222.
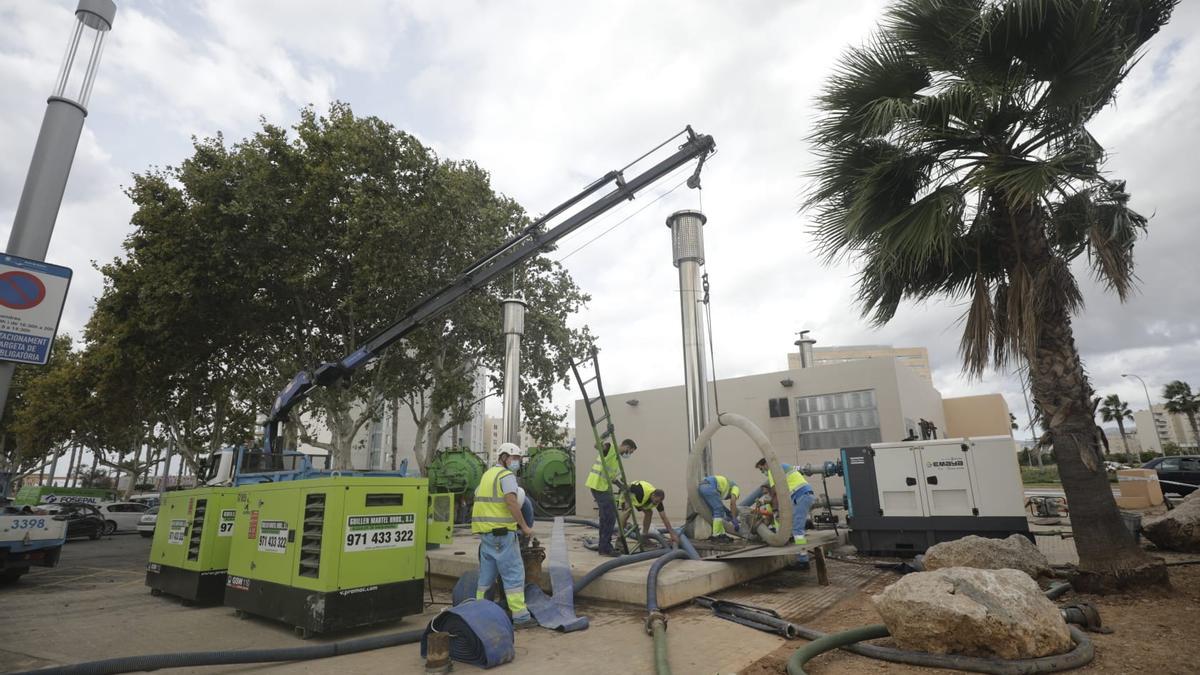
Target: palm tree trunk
x=1195 y=430
x=1109 y=558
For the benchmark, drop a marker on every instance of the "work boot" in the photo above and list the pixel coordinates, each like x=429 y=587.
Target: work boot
x=722 y=539
x=527 y=622
x=610 y=554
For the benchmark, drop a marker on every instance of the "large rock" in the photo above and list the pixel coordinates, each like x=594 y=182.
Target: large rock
x=1177 y=529
x=1014 y=553
x=960 y=610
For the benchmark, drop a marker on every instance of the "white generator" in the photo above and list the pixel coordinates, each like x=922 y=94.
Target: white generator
x=903 y=498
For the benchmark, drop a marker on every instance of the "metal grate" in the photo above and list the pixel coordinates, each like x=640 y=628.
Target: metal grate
x=197 y=529
x=440 y=509
x=310 y=539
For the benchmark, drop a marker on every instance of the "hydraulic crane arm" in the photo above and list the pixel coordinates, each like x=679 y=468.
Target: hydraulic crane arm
x=486 y=269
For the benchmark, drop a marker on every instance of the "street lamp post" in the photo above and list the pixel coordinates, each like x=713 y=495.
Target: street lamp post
x=55 y=149
x=1149 y=409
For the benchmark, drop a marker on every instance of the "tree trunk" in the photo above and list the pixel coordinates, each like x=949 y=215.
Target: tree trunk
x=1109 y=558
x=1195 y=430
x=1124 y=441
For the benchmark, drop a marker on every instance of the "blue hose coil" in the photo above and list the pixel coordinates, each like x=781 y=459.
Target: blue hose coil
x=480 y=633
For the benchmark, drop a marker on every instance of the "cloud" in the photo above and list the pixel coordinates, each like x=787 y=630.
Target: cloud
x=550 y=96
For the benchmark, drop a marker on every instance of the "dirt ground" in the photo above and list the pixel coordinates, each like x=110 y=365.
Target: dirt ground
x=1154 y=632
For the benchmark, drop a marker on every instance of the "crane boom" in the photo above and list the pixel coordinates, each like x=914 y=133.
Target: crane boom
x=525 y=245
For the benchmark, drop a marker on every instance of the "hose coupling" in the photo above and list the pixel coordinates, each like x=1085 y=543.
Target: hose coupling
x=653 y=617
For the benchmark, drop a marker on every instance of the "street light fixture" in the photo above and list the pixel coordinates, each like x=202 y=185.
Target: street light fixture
x=1149 y=409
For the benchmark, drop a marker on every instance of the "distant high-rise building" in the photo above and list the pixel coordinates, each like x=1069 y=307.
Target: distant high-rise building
x=1155 y=429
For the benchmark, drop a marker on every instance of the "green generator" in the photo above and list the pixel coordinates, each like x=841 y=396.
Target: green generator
x=191 y=544
x=328 y=554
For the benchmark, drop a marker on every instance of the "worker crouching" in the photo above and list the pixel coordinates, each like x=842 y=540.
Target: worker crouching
x=647 y=499
x=714 y=489
x=496 y=517
x=801 y=496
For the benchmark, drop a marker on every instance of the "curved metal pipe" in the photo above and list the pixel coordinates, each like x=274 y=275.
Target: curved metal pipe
x=784 y=536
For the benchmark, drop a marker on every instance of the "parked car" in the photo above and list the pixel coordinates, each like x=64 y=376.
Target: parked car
x=83 y=520
x=122 y=516
x=146 y=524
x=1178 y=469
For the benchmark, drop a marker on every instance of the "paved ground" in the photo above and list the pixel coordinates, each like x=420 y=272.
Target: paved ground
x=94 y=605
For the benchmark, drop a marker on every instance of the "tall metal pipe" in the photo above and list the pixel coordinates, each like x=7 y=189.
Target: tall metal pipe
x=687 y=245
x=54 y=152
x=514 y=329
x=805 y=344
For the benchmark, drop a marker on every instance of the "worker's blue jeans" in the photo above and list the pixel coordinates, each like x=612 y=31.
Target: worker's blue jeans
x=802 y=501
x=708 y=492
x=502 y=555
x=527 y=510
x=607 y=518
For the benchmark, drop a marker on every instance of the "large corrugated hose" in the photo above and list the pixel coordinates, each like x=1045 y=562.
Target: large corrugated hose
x=131 y=664
x=784 y=536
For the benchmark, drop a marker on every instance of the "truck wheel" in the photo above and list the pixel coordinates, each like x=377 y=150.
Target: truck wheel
x=10 y=575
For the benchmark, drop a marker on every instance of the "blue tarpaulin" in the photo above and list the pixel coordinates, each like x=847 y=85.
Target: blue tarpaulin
x=556 y=612
x=481 y=634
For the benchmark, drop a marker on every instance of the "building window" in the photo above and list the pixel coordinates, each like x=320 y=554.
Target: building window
x=833 y=421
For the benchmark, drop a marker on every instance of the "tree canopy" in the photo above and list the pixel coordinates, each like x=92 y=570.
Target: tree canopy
x=254 y=260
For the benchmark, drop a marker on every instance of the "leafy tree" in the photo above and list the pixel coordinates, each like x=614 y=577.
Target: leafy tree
x=39 y=419
x=253 y=261
x=955 y=161
x=1116 y=410
x=1181 y=401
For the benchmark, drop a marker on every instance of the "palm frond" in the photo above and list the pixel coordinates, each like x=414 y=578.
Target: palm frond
x=975 y=347
x=943 y=34
x=869 y=90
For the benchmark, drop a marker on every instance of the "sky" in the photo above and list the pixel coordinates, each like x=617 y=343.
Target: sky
x=548 y=96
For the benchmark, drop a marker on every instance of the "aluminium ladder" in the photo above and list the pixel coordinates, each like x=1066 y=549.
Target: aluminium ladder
x=607 y=435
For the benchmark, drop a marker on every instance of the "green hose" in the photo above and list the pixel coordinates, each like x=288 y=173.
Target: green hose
x=661 y=665
x=795 y=665
x=852 y=641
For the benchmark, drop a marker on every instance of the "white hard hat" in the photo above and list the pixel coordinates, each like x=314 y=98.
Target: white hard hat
x=520 y=496
x=511 y=449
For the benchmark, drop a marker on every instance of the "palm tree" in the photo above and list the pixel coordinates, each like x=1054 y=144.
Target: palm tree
x=1114 y=409
x=955 y=160
x=1181 y=401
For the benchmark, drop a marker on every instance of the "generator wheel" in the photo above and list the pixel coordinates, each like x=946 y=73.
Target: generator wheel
x=156 y=592
x=240 y=614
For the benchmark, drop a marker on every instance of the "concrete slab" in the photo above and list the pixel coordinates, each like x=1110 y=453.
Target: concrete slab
x=679 y=582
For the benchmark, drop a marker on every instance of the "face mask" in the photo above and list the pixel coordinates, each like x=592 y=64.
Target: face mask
x=763 y=471
x=514 y=464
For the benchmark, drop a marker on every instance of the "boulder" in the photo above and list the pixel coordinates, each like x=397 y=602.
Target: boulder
x=1014 y=553
x=962 y=610
x=1177 y=529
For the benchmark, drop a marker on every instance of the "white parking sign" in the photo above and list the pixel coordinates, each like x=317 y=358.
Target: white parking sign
x=32 y=294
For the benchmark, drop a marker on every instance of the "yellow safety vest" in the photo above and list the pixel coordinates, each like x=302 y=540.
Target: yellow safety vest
x=795 y=479
x=642 y=504
x=490 y=511
x=724 y=485
x=596 y=480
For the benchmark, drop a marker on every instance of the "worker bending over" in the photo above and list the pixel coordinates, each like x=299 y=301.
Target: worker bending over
x=713 y=489
x=605 y=470
x=647 y=498
x=496 y=517
x=801 y=495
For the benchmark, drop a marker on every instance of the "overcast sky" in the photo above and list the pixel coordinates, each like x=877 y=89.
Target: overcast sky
x=550 y=95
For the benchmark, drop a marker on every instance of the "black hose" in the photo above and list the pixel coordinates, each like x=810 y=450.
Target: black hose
x=1057 y=590
x=652 y=578
x=129 y=664
x=615 y=563
x=569 y=519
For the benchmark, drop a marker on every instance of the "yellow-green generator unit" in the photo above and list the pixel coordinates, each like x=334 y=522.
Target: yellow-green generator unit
x=190 y=551
x=328 y=554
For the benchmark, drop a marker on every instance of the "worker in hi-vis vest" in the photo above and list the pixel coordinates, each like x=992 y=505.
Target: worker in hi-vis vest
x=647 y=499
x=496 y=517
x=712 y=490
x=801 y=495
x=604 y=471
